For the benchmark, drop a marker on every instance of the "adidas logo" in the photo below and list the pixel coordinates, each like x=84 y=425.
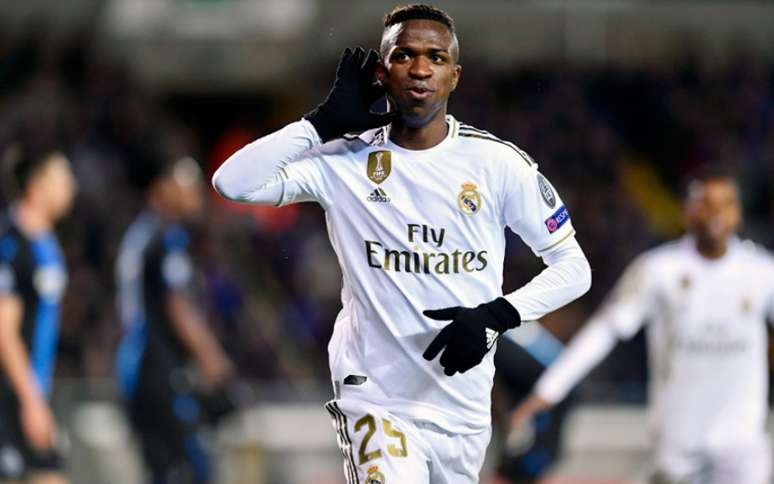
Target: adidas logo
x=378 y=195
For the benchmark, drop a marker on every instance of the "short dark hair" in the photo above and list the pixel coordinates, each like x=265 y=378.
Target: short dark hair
x=708 y=172
x=21 y=161
x=403 y=13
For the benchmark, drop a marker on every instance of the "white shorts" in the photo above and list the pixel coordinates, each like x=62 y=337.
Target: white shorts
x=381 y=448
x=744 y=464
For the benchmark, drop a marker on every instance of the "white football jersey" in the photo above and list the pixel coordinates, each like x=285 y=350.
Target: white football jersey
x=707 y=342
x=416 y=230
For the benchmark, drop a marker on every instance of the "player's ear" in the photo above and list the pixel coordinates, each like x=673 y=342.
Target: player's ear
x=689 y=214
x=455 y=76
x=380 y=74
x=737 y=216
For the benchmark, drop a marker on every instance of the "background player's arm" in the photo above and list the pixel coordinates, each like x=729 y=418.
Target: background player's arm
x=13 y=355
x=189 y=325
x=187 y=321
x=36 y=418
x=620 y=317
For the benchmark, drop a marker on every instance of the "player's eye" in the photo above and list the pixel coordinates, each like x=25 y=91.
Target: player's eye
x=400 y=57
x=438 y=59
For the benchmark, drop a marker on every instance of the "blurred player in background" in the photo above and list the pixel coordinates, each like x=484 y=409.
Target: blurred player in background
x=521 y=358
x=706 y=298
x=32 y=280
x=165 y=328
x=416 y=207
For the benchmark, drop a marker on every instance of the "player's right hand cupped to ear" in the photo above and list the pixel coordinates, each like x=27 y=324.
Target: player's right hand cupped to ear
x=465 y=338
x=347 y=108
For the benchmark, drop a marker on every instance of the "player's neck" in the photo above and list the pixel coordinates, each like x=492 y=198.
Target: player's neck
x=712 y=251
x=420 y=138
x=163 y=213
x=31 y=219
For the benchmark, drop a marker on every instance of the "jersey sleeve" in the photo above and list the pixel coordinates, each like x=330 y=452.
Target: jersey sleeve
x=586 y=350
x=8 y=266
x=306 y=180
x=631 y=301
x=532 y=208
x=176 y=266
x=619 y=317
x=280 y=168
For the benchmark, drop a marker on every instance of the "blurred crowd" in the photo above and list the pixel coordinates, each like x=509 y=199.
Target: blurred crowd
x=614 y=142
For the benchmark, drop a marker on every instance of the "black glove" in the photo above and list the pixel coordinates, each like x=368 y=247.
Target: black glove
x=471 y=334
x=347 y=108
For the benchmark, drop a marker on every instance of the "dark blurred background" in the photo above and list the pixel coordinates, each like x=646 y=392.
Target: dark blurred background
x=616 y=101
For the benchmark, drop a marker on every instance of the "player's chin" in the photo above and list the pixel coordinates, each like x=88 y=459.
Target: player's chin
x=418 y=115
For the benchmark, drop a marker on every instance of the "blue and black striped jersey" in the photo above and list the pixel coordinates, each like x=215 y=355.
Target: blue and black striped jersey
x=33 y=269
x=153 y=261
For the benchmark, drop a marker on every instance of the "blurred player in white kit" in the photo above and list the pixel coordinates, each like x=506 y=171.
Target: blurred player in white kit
x=706 y=299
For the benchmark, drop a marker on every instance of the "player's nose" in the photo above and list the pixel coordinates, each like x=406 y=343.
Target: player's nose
x=420 y=68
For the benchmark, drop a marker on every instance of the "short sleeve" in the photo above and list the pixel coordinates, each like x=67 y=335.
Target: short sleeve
x=532 y=207
x=7 y=279
x=177 y=270
x=306 y=180
x=8 y=282
x=629 y=304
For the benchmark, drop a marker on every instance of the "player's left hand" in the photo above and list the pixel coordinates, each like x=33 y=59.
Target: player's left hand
x=471 y=334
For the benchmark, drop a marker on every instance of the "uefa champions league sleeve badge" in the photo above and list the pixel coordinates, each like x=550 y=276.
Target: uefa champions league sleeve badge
x=469 y=200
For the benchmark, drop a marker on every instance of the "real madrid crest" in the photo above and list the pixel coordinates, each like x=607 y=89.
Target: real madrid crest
x=685 y=282
x=374 y=476
x=469 y=200
x=746 y=306
x=379 y=165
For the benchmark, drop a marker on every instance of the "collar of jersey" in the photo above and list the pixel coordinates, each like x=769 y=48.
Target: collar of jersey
x=451 y=134
x=14 y=220
x=689 y=242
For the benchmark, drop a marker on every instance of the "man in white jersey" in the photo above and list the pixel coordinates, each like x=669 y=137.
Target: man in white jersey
x=706 y=298
x=416 y=207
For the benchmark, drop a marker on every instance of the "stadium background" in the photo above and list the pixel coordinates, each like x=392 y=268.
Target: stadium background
x=616 y=100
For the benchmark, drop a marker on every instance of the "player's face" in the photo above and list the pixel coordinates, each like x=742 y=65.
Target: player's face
x=713 y=211
x=56 y=186
x=419 y=69
x=191 y=201
x=186 y=180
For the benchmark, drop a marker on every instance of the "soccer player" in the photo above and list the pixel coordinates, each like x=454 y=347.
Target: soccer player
x=164 y=328
x=416 y=206
x=521 y=358
x=706 y=298
x=32 y=280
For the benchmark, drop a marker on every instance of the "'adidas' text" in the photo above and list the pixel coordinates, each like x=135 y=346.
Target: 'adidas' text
x=378 y=195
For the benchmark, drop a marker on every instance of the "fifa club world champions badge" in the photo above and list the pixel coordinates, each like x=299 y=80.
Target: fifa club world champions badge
x=469 y=200
x=379 y=166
